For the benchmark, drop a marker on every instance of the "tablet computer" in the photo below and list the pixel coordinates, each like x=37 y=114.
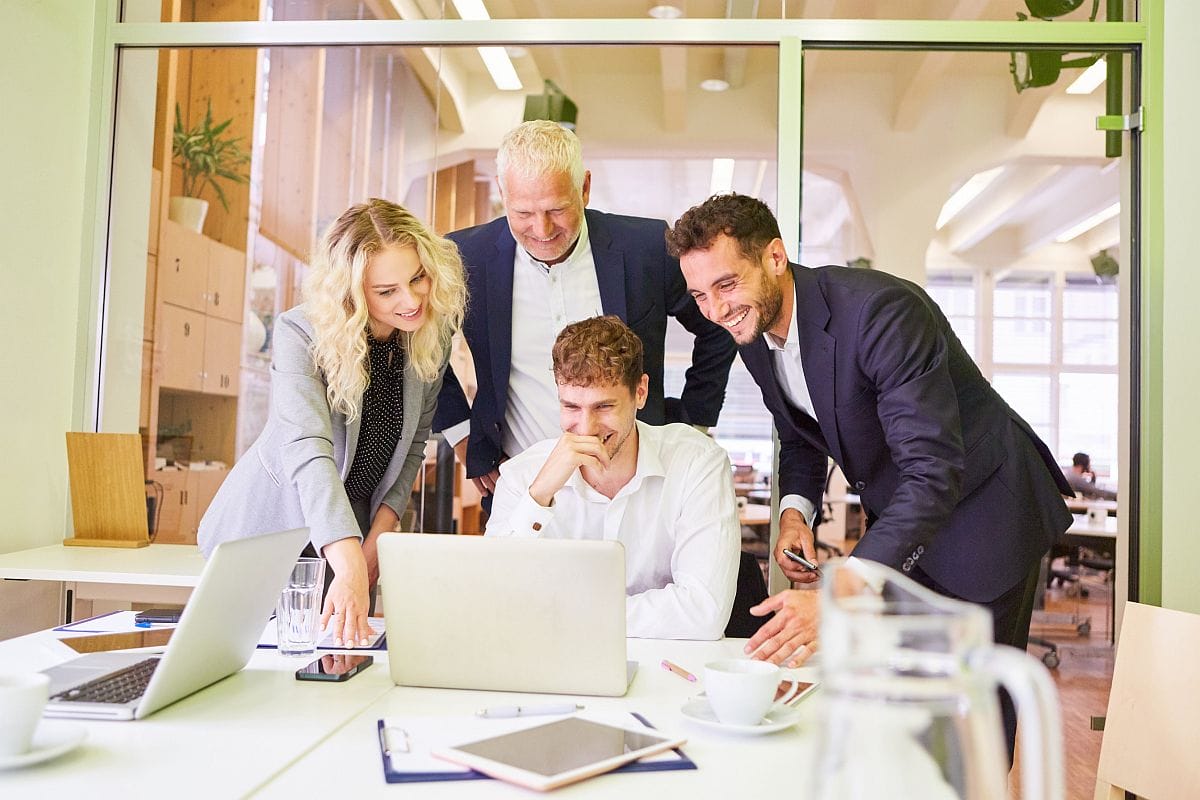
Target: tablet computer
x=548 y=756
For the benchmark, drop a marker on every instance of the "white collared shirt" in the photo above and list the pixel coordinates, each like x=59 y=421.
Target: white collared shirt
x=789 y=372
x=544 y=301
x=676 y=518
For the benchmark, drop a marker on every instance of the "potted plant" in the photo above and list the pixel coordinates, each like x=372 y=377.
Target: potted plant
x=205 y=153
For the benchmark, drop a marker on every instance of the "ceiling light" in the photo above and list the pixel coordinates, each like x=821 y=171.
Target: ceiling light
x=722 y=176
x=498 y=64
x=665 y=11
x=965 y=194
x=471 y=9
x=1089 y=223
x=1092 y=77
x=714 y=85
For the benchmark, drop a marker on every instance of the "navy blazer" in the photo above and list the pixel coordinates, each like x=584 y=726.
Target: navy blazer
x=955 y=480
x=639 y=282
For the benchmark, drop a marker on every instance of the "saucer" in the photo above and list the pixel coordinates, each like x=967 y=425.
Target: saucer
x=699 y=711
x=51 y=740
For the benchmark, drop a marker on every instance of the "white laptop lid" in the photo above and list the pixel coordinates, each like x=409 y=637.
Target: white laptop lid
x=217 y=632
x=523 y=615
x=225 y=615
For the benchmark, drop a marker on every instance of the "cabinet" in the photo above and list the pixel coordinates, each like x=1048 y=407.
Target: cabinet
x=186 y=493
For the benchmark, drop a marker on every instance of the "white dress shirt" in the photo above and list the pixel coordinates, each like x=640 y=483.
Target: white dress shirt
x=789 y=371
x=545 y=300
x=676 y=518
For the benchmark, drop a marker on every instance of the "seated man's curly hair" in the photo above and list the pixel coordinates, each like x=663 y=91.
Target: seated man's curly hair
x=600 y=351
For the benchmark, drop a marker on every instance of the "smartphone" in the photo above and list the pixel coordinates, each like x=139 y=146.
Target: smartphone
x=801 y=560
x=334 y=667
x=160 y=615
x=802 y=692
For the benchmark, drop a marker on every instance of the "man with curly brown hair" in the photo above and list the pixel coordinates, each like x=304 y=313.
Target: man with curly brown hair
x=664 y=492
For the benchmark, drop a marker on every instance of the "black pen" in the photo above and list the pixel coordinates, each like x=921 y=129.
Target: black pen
x=802 y=561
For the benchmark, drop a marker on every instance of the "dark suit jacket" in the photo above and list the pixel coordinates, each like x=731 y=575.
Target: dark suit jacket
x=957 y=482
x=639 y=283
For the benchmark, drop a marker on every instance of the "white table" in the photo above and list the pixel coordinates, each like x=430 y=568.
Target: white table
x=108 y=572
x=728 y=765
x=261 y=731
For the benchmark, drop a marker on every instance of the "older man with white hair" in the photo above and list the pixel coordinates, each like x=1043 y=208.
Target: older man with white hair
x=572 y=263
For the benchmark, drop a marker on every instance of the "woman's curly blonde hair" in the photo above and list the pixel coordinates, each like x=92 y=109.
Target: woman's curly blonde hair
x=336 y=305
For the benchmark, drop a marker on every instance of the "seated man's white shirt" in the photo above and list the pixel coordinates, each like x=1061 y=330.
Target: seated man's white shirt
x=676 y=518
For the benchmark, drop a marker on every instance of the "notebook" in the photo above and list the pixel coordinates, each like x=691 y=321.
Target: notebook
x=215 y=636
x=519 y=615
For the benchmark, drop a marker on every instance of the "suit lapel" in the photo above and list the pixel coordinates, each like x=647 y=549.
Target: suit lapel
x=610 y=267
x=817 y=352
x=498 y=291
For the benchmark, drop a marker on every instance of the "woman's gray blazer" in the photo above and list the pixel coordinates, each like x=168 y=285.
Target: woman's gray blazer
x=293 y=474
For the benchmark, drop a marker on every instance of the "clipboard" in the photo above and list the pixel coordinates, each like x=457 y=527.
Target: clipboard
x=422 y=738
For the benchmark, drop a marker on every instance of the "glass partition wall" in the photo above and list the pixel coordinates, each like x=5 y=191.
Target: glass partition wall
x=334 y=111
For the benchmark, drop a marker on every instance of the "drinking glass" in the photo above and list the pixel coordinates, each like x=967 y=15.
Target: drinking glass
x=299 y=608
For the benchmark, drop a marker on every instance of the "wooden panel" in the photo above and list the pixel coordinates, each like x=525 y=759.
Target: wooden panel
x=182 y=267
x=151 y=298
x=222 y=356
x=292 y=158
x=168 y=514
x=464 y=195
x=179 y=347
x=156 y=207
x=443 y=200
x=202 y=485
x=210 y=419
x=108 y=500
x=144 y=404
x=226 y=282
x=1154 y=706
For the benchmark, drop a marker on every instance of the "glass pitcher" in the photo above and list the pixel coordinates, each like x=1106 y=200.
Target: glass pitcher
x=910 y=704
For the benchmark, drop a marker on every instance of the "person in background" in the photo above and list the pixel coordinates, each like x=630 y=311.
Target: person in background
x=664 y=492
x=1083 y=480
x=355 y=374
x=861 y=366
x=549 y=262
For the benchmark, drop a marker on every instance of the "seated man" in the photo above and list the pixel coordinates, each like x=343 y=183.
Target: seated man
x=1083 y=480
x=664 y=492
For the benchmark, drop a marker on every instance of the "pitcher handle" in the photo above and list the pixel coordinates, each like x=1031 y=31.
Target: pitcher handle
x=1033 y=693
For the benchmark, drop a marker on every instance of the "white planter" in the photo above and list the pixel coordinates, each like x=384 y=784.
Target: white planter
x=188 y=212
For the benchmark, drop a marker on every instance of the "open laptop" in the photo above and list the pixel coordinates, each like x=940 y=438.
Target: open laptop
x=216 y=635
x=520 y=615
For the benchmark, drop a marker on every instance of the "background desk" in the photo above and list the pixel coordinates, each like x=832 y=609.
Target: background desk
x=108 y=573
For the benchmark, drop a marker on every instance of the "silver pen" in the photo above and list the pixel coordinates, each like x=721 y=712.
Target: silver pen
x=501 y=712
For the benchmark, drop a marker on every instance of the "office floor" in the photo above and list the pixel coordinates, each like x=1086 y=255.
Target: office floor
x=1083 y=677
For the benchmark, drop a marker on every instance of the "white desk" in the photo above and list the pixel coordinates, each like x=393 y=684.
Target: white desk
x=108 y=571
x=728 y=765
x=261 y=730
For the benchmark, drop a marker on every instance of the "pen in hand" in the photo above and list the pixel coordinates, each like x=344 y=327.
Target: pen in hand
x=500 y=712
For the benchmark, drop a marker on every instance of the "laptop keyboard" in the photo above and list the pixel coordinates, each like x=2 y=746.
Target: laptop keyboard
x=116 y=687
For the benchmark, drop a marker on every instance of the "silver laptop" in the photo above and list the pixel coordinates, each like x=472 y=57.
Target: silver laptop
x=216 y=635
x=519 y=615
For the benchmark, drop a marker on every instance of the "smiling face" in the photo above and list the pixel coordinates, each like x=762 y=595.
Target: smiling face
x=606 y=412
x=397 y=289
x=742 y=295
x=545 y=213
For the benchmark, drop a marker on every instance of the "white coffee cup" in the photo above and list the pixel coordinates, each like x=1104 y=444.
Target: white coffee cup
x=23 y=695
x=742 y=692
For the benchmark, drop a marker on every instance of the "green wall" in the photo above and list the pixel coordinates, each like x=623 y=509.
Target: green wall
x=45 y=64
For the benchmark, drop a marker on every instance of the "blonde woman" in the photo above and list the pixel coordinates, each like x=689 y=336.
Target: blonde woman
x=355 y=375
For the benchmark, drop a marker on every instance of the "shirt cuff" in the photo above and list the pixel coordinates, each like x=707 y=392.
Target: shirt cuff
x=457 y=432
x=529 y=518
x=801 y=504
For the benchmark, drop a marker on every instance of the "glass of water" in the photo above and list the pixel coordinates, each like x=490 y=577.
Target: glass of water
x=299 y=608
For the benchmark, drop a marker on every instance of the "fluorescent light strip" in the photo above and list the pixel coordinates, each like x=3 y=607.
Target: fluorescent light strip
x=498 y=64
x=965 y=194
x=1091 y=77
x=1089 y=223
x=504 y=75
x=722 y=176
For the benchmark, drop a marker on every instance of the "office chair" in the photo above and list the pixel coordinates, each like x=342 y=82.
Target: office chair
x=751 y=590
x=1050 y=658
